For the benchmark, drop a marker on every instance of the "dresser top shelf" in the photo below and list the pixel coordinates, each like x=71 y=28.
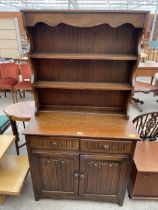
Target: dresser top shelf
x=73 y=124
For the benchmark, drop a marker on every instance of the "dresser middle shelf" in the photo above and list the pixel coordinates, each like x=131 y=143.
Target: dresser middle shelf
x=83 y=85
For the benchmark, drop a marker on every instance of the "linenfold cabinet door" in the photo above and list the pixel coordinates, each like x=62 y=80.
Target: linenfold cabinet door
x=103 y=176
x=59 y=174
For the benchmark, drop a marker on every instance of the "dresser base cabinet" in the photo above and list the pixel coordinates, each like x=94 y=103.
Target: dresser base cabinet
x=61 y=167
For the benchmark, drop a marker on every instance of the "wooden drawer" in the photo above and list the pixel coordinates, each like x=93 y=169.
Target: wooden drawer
x=53 y=143
x=105 y=146
x=146 y=185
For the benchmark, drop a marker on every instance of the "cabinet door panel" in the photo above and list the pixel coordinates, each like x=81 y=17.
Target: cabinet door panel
x=103 y=176
x=59 y=174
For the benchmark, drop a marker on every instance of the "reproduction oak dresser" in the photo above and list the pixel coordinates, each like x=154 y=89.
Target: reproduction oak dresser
x=80 y=143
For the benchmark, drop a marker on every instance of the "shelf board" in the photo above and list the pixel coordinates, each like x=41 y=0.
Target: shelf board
x=13 y=171
x=5 y=142
x=84 y=56
x=82 y=85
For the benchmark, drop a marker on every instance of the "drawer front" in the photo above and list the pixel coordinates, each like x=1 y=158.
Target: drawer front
x=105 y=146
x=146 y=185
x=53 y=143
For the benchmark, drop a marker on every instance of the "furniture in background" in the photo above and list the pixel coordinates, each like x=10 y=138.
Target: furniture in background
x=145 y=70
x=21 y=60
x=147 y=126
x=10 y=42
x=13 y=169
x=22 y=111
x=83 y=62
x=156 y=82
x=25 y=83
x=149 y=55
x=143 y=182
x=144 y=177
x=9 y=77
x=4 y=123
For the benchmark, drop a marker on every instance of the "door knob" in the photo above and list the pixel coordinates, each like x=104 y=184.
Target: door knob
x=106 y=147
x=82 y=176
x=76 y=175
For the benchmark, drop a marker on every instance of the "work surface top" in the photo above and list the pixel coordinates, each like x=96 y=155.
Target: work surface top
x=97 y=125
x=146 y=156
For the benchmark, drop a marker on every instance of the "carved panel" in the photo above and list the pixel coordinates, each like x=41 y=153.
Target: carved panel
x=59 y=174
x=106 y=146
x=54 y=143
x=101 y=176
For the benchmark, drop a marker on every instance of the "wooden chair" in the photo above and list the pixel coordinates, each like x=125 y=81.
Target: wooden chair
x=143 y=87
x=25 y=84
x=147 y=126
x=9 y=77
x=4 y=123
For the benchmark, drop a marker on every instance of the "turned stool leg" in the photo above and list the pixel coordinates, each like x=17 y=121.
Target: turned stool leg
x=15 y=132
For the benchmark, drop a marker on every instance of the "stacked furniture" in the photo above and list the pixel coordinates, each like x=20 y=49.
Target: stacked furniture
x=144 y=177
x=144 y=174
x=13 y=169
x=80 y=143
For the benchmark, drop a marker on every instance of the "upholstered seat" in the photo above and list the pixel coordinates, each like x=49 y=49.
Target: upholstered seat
x=4 y=123
x=23 y=85
x=7 y=83
x=9 y=77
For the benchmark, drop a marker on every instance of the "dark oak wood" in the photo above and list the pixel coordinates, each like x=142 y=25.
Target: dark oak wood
x=83 y=63
x=80 y=124
x=99 y=47
x=144 y=177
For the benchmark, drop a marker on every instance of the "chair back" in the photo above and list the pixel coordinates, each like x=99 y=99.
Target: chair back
x=147 y=126
x=25 y=71
x=9 y=71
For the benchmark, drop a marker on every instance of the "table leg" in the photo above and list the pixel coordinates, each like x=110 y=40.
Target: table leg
x=16 y=134
x=2 y=199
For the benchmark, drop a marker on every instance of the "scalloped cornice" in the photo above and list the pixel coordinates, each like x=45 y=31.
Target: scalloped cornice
x=84 y=19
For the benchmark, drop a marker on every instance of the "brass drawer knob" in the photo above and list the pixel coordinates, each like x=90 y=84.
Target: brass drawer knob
x=76 y=175
x=106 y=146
x=82 y=176
x=54 y=144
